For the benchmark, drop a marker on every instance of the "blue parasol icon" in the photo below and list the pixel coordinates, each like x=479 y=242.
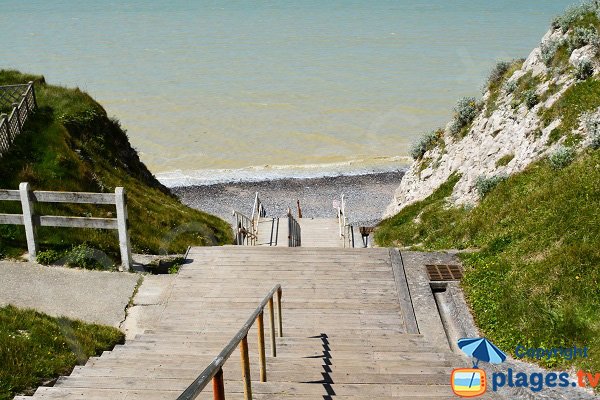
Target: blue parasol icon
x=482 y=350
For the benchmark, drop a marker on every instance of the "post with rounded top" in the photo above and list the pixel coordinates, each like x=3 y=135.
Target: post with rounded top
x=246 y=368
x=28 y=219
x=261 y=347
x=272 y=326
x=123 y=225
x=280 y=318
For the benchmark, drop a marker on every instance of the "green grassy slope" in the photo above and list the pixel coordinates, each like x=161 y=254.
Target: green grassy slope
x=70 y=144
x=534 y=276
x=27 y=338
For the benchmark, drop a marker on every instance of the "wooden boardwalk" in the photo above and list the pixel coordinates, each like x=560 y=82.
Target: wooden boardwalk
x=316 y=232
x=344 y=332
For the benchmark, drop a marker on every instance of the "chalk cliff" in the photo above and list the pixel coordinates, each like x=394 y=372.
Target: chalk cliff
x=546 y=104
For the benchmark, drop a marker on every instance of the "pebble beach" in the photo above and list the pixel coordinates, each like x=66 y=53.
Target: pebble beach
x=366 y=196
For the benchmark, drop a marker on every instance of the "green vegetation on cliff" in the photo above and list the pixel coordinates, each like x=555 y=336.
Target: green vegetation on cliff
x=28 y=337
x=533 y=276
x=70 y=144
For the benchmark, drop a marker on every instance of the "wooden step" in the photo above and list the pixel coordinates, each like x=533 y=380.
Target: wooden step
x=348 y=295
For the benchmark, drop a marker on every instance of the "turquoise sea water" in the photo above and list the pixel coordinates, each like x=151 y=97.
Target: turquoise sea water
x=223 y=85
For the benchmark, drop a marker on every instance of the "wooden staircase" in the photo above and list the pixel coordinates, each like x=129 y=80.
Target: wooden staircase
x=316 y=232
x=344 y=332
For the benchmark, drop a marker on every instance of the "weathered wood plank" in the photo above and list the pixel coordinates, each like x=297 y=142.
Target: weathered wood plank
x=11 y=219
x=73 y=197
x=9 y=195
x=77 y=222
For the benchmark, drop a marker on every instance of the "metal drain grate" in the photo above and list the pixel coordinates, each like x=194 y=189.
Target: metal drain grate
x=444 y=272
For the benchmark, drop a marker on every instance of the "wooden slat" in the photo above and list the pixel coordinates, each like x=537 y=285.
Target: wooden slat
x=11 y=219
x=74 y=197
x=9 y=195
x=78 y=222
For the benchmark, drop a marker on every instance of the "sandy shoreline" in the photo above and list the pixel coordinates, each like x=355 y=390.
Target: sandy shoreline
x=367 y=196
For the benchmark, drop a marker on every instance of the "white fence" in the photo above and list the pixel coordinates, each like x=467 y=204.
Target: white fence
x=23 y=102
x=31 y=221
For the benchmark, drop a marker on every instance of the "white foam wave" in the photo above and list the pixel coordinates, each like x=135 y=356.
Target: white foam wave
x=205 y=177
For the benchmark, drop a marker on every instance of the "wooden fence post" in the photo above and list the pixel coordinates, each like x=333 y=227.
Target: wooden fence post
x=123 y=224
x=28 y=219
x=246 y=368
x=33 y=94
x=272 y=326
x=261 y=347
x=218 y=387
x=17 y=113
x=280 y=317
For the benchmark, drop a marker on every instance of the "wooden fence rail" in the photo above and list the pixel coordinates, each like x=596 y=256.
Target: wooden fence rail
x=31 y=220
x=23 y=102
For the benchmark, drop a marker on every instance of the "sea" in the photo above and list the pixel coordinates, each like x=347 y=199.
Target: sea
x=219 y=91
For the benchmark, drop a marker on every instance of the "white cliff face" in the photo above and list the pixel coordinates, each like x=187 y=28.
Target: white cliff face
x=512 y=133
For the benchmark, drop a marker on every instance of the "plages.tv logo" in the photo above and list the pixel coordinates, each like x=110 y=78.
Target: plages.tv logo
x=472 y=382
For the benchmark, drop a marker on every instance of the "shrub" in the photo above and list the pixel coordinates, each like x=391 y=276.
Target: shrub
x=531 y=98
x=466 y=111
x=592 y=126
x=582 y=37
x=83 y=256
x=498 y=71
x=504 y=160
x=48 y=257
x=424 y=143
x=510 y=86
x=562 y=157
x=573 y=14
x=484 y=185
x=549 y=49
x=584 y=70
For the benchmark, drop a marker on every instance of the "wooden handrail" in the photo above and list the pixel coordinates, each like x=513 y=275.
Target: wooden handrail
x=214 y=371
x=258 y=210
x=245 y=233
x=294 y=231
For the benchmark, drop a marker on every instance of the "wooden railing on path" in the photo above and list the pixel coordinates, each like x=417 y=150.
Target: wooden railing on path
x=31 y=221
x=244 y=230
x=214 y=371
x=23 y=102
x=294 y=231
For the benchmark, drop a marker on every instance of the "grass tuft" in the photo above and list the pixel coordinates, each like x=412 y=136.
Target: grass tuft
x=578 y=99
x=504 y=160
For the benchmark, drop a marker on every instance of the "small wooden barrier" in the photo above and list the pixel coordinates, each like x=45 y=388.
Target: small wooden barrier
x=23 y=102
x=31 y=221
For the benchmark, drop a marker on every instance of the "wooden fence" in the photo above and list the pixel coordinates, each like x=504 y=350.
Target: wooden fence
x=23 y=102
x=31 y=221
